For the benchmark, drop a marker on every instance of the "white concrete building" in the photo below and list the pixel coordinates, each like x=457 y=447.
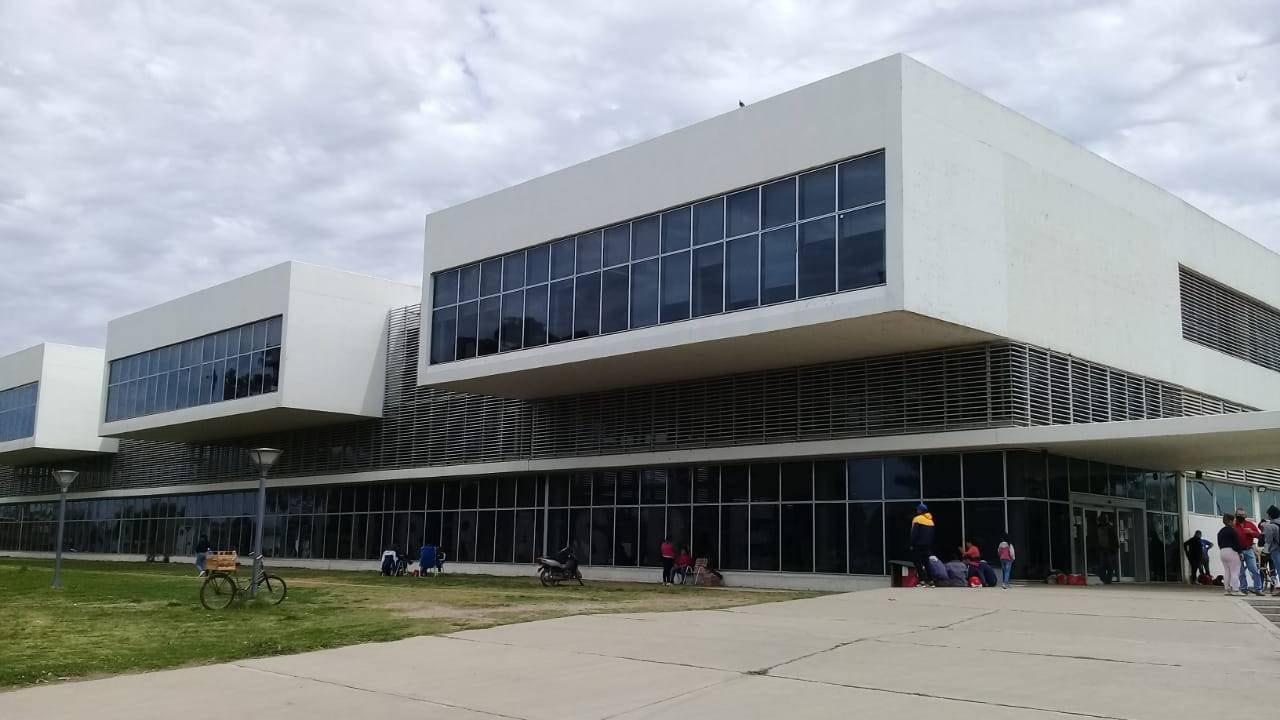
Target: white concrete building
x=48 y=404
x=769 y=336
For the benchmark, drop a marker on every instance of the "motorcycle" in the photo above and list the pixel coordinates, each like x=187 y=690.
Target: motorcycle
x=552 y=570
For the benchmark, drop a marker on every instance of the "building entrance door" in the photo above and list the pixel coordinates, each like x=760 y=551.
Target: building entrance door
x=1104 y=542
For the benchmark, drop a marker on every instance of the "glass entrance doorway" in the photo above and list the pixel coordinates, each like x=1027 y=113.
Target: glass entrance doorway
x=1104 y=542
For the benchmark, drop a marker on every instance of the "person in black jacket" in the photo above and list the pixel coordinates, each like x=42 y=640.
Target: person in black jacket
x=1230 y=547
x=922 y=535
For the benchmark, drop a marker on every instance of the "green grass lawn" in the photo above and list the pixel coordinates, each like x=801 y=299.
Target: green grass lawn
x=122 y=617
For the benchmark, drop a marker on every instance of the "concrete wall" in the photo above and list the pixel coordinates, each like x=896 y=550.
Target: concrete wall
x=333 y=347
x=842 y=116
x=1012 y=229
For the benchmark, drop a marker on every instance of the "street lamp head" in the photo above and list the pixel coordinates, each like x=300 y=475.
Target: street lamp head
x=65 y=478
x=264 y=458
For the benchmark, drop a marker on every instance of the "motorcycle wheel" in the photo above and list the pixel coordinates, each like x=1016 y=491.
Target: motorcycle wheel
x=542 y=577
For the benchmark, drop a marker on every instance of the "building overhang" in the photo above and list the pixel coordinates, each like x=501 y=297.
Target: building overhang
x=26 y=452
x=717 y=345
x=191 y=427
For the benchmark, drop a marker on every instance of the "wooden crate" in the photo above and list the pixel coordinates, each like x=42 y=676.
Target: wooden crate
x=220 y=561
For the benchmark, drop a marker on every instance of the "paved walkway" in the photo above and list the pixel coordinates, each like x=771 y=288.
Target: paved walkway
x=1035 y=652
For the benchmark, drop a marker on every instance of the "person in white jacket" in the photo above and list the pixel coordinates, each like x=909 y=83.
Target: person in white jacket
x=1007 y=556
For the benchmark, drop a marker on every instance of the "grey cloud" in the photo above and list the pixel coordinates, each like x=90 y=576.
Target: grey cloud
x=150 y=149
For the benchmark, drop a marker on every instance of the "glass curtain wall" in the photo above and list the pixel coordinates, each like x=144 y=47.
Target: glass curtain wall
x=814 y=233
x=837 y=515
x=18 y=412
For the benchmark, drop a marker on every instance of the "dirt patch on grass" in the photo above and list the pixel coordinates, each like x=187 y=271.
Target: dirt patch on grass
x=427 y=610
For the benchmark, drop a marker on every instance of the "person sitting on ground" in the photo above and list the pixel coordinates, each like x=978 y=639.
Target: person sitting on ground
x=684 y=563
x=957 y=572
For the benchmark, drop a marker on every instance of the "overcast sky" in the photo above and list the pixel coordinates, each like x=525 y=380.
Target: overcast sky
x=149 y=149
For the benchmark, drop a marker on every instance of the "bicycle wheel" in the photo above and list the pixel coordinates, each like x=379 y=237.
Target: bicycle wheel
x=218 y=591
x=271 y=589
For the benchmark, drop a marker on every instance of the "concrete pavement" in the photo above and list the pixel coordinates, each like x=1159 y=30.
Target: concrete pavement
x=1033 y=652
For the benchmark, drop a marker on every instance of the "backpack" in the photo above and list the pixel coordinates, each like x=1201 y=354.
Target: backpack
x=1006 y=551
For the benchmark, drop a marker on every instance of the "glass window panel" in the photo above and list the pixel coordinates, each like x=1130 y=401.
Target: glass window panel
x=1059 y=478
x=257 y=369
x=941 y=475
x=742 y=273
x=764 y=537
x=272 y=376
x=589 y=252
x=602 y=536
x=983 y=475
x=614 y=291
x=259 y=339
x=184 y=388
x=679 y=488
x=488 y=325
x=652 y=531
x=797 y=537
x=862 y=181
x=535 y=316
x=675 y=229
x=902 y=478
x=829 y=537
x=246 y=343
x=469 y=283
x=468 y=319
x=626 y=536
x=537 y=264
x=708 y=221
x=562 y=259
x=735 y=537
x=580 y=488
x=862 y=248
x=817 y=257
x=705 y=534
x=644 y=237
x=735 y=483
x=708 y=280
x=778 y=203
x=617 y=244
x=445 y=288
x=828 y=480
x=469 y=494
x=602 y=489
x=1025 y=474
x=557 y=490
x=524 y=536
x=586 y=305
x=560 y=311
x=218 y=378
x=797 y=480
x=778 y=266
x=817 y=193
x=1078 y=473
x=512 y=331
x=513 y=271
x=1099 y=478
x=675 y=287
x=491 y=277
x=653 y=487
x=743 y=212
x=983 y=526
x=644 y=294
x=242 y=376
x=220 y=345
x=764 y=482
x=444 y=329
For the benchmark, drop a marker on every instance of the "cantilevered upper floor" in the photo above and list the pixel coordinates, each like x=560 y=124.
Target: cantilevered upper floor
x=290 y=346
x=886 y=209
x=48 y=404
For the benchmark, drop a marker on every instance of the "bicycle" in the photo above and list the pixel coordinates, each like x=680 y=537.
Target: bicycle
x=222 y=586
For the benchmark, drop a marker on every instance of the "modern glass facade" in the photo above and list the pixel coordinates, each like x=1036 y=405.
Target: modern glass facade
x=831 y=515
x=18 y=412
x=228 y=365
x=810 y=234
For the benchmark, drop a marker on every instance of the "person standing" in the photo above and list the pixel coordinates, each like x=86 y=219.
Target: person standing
x=1107 y=546
x=202 y=554
x=668 y=551
x=922 y=537
x=1229 y=548
x=1271 y=537
x=1249 y=533
x=1007 y=555
x=1197 y=550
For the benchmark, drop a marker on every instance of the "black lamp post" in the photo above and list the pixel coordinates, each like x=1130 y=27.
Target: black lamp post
x=264 y=458
x=64 y=479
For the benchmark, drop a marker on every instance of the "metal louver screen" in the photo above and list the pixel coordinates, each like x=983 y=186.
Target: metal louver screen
x=994 y=385
x=1228 y=321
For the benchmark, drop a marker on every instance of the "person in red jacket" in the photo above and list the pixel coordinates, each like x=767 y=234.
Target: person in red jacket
x=1249 y=534
x=684 y=561
x=668 y=551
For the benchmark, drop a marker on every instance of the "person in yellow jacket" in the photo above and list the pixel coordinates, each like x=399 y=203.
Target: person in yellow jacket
x=922 y=537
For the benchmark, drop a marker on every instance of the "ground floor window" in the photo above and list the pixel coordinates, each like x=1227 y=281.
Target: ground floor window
x=828 y=515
